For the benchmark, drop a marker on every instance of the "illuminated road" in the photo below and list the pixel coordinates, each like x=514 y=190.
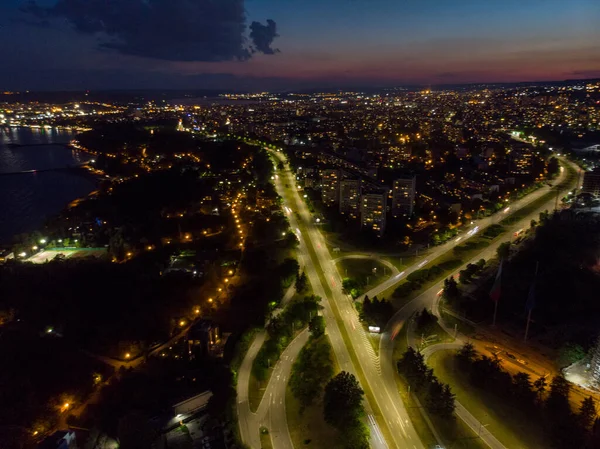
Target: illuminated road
x=249 y=422
x=271 y=411
x=379 y=374
x=383 y=403
x=339 y=311
x=430 y=299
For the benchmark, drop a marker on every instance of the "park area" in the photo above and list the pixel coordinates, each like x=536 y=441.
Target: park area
x=361 y=274
x=307 y=426
x=512 y=427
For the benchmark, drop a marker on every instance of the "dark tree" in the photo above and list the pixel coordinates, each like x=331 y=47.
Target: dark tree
x=594 y=439
x=539 y=387
x=451 y=292
x=317 y=326
x=467 y=353
x=558 y=397
x=302 y=283
x=343 y=400
x=522 y=389
x=503 y=250
x=426 y=321
x=435 y=399
x=553 y=166
x=587 y=413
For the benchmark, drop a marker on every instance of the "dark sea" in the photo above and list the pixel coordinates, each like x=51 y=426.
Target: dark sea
x=27 y=200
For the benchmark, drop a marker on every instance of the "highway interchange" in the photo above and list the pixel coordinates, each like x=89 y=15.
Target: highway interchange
x=387 y=417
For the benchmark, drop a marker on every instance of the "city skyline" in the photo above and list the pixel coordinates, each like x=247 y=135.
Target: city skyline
x=268 y=45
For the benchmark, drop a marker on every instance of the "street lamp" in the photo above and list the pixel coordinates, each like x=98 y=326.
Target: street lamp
x=43 y=241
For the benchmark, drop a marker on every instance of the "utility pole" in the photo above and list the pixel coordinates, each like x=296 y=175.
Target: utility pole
x=527 y=325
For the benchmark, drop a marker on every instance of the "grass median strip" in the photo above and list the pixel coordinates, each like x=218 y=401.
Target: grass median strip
x=455 y=433
x=509 y=425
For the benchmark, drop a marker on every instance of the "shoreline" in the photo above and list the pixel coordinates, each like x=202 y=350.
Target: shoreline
x=78 y=170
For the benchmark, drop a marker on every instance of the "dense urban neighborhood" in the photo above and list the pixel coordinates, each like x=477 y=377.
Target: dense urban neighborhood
x=348 y=269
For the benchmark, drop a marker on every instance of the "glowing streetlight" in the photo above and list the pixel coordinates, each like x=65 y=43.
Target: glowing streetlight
x=43 y=241
x=230 y=272
x=226 y=280
x=182 y=323
x=34 y=248
x=210 y=300
x=127 y=355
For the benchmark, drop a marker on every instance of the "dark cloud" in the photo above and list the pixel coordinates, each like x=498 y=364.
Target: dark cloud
x=174 y=30
x=263 y=35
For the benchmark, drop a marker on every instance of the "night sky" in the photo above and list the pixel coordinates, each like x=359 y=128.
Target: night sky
x=290 y=44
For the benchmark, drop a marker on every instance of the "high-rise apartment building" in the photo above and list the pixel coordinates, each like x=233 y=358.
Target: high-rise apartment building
x=350 y=197
x=330 y=184
x=521 y=162
x=373 y=211
x=403 y=196
x=591 y=182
